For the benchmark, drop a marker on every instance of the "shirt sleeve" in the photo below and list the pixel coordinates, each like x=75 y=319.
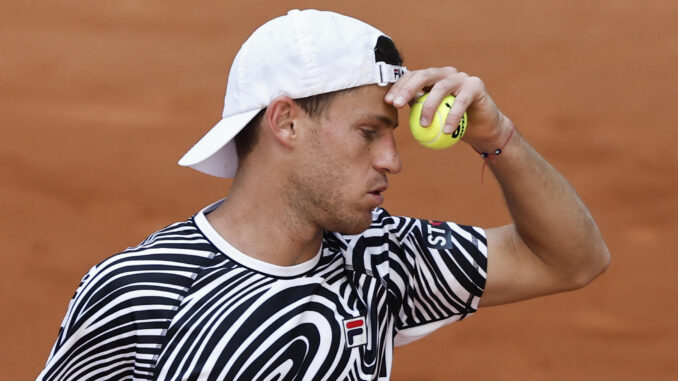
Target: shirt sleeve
x=114 y=324
x=438 y=271
x=60 y=363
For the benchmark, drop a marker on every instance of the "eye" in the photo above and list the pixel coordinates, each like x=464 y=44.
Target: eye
x=368 y=133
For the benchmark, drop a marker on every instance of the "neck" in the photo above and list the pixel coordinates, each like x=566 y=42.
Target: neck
x=258 y=222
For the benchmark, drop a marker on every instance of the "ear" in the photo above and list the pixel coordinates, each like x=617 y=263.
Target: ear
x=282 y=115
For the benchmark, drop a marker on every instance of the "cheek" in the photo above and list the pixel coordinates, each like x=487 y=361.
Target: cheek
x=342 y=158
x=323 y=172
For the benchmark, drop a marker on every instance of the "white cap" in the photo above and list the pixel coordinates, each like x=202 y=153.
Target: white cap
x=298 y=55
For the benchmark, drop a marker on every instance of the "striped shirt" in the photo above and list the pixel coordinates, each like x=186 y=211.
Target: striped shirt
x=186 y=305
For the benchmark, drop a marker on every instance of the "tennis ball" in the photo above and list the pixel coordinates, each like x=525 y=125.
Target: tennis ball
x=433 y=136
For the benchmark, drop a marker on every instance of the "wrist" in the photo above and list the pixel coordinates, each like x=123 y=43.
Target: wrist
x=495 y=149
x=504 y=133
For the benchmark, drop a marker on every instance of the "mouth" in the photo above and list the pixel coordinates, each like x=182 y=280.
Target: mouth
x=376 y=194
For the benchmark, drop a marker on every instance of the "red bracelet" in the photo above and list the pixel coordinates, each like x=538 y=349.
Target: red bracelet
x=491 y=156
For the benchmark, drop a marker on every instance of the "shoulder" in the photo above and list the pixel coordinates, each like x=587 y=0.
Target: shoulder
x=401 y=228
x=180 y=243
x=132 y=295
x=433 y=234
x=170 y=257
x=398 y=237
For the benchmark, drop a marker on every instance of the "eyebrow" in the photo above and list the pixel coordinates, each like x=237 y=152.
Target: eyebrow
x=383 y=119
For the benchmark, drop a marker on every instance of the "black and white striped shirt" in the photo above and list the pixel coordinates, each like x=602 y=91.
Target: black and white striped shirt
x=185 y=304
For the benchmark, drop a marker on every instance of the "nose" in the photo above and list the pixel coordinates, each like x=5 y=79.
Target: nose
x=387 y=159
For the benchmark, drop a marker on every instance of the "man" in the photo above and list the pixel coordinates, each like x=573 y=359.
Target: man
x=298 y=274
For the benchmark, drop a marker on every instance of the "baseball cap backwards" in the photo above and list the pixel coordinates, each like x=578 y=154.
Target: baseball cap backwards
x=301 y=54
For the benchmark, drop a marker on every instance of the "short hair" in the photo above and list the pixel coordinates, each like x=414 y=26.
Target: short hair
x=315 y=105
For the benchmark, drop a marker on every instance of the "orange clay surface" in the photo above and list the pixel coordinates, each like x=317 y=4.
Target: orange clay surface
x=98 y=100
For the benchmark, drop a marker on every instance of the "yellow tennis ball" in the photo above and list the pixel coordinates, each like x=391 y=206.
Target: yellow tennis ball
x=433 y=136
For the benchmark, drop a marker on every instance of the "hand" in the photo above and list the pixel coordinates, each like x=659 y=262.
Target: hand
x=487 y=125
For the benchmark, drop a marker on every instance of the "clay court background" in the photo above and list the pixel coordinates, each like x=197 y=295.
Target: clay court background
x=98 y=100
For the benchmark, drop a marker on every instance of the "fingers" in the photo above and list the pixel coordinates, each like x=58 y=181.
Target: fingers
x=403 y=91
x=441 y=82
x=450 y=85
x=413 y=82
x=471 y=90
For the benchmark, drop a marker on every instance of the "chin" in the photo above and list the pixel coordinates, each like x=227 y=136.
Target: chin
x=355 y=231
x=355 y=225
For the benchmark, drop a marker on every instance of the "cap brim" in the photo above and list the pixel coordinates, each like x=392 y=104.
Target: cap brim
x=215 y=153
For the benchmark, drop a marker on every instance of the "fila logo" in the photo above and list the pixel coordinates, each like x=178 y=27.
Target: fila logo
x=438 y=235
x=355 y=332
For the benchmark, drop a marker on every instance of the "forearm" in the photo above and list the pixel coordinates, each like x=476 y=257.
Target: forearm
x=549 y=216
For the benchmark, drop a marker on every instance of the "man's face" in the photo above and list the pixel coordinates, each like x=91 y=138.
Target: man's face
x=344 y=159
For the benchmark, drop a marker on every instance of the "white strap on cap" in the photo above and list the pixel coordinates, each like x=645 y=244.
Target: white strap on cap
x=386 y=73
